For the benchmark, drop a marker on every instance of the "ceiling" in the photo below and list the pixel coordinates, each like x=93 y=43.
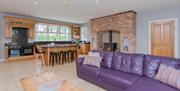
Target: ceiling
x=79 y=11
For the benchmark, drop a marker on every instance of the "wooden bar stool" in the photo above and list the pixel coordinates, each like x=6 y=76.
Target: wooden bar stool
x=53 y=57
x=72 y=55
x=39 y=53
x=61 y=57
x=64 y=56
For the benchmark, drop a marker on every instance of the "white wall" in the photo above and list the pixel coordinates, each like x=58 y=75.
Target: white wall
x=86 y=27
x=1 y=38
x=179 y=30
x=143 y=18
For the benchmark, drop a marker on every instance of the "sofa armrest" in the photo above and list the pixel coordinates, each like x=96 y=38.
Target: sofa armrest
x=78 y=64
x=79 y=61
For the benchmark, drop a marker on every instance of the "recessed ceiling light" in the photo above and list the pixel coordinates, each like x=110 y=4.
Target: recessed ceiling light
x=66 y=2
x=36 y=3
x=115 y=10
x=97 y=1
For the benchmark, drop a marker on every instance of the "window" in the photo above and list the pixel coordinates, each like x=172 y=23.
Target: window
x=85 y=32
x=47 y=32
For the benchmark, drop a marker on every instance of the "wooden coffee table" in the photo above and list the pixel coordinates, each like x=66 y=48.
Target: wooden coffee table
x=31 y=83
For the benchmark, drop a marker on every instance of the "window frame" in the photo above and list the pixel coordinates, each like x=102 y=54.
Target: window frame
x=58 y=32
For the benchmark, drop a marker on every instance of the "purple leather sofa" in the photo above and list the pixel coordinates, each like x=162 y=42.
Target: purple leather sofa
x=127 y=72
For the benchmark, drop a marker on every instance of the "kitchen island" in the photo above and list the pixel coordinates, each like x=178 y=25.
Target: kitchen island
x=57 y=47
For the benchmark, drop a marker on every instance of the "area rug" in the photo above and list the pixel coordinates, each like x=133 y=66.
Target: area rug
x=47 y=82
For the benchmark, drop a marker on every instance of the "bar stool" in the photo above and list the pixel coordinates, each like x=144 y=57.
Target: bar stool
x=39 y=53
x=64 y=56
x=72 y=54
x=53 y=57
x=60 y=54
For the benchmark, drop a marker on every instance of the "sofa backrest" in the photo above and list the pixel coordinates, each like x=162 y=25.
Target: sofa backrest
x=106 y=59
x=152 y=63
x=138 y=64
x=130 y=63
x=178 y=64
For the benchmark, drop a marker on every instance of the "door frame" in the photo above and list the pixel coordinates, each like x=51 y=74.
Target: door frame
x=175 y=33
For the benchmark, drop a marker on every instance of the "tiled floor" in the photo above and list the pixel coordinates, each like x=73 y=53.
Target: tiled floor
x=11 y=73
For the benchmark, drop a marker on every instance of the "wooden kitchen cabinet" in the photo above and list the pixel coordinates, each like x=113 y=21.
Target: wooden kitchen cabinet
x=11 y=22
x=8 y=32
x=76 y=32
x=84 y=48
x=6 y=54
x=31 y=34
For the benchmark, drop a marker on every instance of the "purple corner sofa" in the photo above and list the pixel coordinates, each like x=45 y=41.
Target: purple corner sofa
x=127 y=72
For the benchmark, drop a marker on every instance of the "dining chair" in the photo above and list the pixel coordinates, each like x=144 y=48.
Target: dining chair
x=39 y=53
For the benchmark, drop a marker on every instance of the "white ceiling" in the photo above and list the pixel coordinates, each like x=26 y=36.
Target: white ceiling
x=79 y=11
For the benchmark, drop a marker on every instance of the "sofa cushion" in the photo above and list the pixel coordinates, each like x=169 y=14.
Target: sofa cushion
x=117 y=61
x=178 y=64
x=96 y=54
x=137 y=64
x=169 y=75
x=121 y=79
x=152 y=63
x=131 y=63
x=89 y=70
x=172 y=62
x=126 y=62
x=148 y=84
x=106 y=59
x=92 y=60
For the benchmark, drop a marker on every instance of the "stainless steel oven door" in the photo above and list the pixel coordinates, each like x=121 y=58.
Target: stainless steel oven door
x=28 y=50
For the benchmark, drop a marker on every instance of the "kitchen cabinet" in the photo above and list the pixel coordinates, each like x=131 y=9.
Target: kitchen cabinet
x=31 y=34
x=76 y=32
x=11 y=22
x=84 y=48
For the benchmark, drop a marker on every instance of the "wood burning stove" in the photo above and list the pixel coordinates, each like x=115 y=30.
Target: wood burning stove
x=110 y=46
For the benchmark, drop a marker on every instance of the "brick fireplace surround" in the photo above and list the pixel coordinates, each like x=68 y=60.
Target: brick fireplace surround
x=124 y=22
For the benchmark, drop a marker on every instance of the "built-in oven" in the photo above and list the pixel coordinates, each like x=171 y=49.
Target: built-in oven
x=14 y=52
x=27 y=50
